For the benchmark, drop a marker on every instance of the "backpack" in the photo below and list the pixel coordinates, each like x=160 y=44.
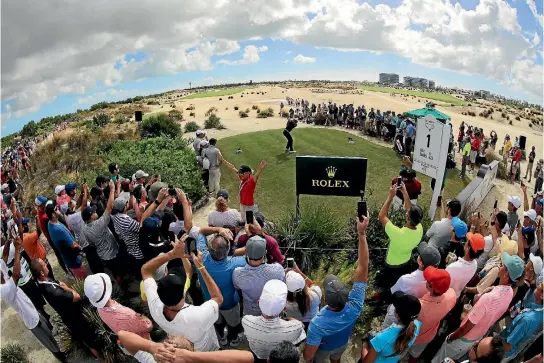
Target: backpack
x=205 y=163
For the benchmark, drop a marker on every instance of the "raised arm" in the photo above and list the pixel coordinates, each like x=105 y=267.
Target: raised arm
x=84 y=197
x=162 y=198
x=361 y=273
x=230 y=166
x=212 y=287
x=525 y=199
x=17 y=259
x=187 y=211
x=153 y=265
x=521 y=243
x=407 y=201
x=385 y=208
x=111 y=198
x=260 y=170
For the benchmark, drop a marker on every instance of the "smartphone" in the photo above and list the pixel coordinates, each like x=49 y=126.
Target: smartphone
x=290 y=262
x=399 y=181
x=249 y=216
x=495 y=204
x=84 y=180
x=362 y=210
x=190 y=246
x=171 y=191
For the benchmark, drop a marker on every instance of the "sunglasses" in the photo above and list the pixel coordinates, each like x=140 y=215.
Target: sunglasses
x=475 y=349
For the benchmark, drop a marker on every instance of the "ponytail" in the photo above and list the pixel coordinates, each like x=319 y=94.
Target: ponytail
x=221 y=205
x=405 y=337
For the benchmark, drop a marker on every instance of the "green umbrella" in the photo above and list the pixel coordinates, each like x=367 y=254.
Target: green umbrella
x=422 y=112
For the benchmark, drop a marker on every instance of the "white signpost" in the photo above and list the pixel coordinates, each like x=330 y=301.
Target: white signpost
x=431 y=153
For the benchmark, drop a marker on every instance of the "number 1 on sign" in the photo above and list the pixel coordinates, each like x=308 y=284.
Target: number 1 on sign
x=428 y=140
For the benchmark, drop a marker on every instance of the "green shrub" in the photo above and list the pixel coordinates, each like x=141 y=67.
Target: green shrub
x=159 y=125
x=120 y=119
x=99 y=106
x=213 y=122
x=269 y=112
x=243 y=114
x=153 y=103
x=254 y=107
x=175 y=115
x=14 y=353
x=192 y=114
x=191 y=126
x=101 y=120
x=190 y=108
x=172 y=158
x=29 y=130
x=211 y=110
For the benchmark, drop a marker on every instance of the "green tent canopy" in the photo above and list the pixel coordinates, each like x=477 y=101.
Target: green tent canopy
x=422 y=112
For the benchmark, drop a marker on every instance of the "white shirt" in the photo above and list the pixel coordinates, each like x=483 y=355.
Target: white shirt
x=144 y=357
x=440 y=233
x=75 y=222
x=18 y=301
x=413 y=284
x=461 y=272
x=192 y=322
x=485 y=255
x=263 y=335
x=292 y=310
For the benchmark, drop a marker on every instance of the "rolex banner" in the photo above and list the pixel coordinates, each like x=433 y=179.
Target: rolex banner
x=329 y=175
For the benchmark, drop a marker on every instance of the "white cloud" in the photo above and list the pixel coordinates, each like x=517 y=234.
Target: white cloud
x=100 y=96
x=300 y=59
x=209 y=79
x=539 y=17
x=43 y=56
x=251 y=55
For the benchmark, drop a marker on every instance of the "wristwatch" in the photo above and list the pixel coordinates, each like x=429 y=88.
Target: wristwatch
x=157 y=202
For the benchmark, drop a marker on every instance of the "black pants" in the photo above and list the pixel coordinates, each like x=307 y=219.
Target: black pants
x=386 y=278
x=289 y=138
x=95 y=263
x=59 y=256
x=206 y=178
x=232 y=331
x=408 y=146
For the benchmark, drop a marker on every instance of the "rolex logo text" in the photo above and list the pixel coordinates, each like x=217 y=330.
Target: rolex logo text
x=331 y=172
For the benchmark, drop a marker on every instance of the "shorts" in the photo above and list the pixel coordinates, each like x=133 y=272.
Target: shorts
x=473 y=155
x=245 y=208
x=417 y=349
x=335 y=354
x=231 y=316
x=515 y=167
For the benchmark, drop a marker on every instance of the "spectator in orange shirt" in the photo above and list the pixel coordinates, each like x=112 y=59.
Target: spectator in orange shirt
x=32 y=245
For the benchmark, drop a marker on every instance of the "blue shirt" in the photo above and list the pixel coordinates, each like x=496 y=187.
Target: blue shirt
x=523 y=328
x=331 y=329
x=410 y=130
x=221 y=272
x=63 y=240
x=384 y=343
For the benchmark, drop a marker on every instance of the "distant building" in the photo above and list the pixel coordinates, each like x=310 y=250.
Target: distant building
x=416 y=82
x=431 y=84
x=389 y=78
x=482 y=94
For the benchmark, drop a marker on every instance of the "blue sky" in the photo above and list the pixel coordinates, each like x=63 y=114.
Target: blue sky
x=275 y=60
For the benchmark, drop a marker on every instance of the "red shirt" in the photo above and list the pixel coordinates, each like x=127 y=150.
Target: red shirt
x=412 y=187
x=273 y=253
x=517 y=155
x=43 y=220
x=247 y=189
x=475 y=144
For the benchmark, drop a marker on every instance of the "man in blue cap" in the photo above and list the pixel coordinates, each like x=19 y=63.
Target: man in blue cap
x=70 y=190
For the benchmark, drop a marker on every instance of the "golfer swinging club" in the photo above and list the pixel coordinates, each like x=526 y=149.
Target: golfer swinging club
x=291 y=124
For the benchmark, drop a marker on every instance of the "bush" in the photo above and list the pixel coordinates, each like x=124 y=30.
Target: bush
x=269 y=112
x=190 y=108
x=284 y=113
x=153 y=103
x=211 y=110
x=254 y=107
x=159 y=125
x=101 y=120
x=518 y=118
x=191 y=126
x=192 y=114
x=175 y=114
x=213 y=122
x=243 y=114
x=220 y=99
x=173 y=158
x=247 y=110
x=120 y=119
x=99 y=106
x=530 y=125
x=470 y=104
x=235 y=108
x=503 y=115
x=14 y=353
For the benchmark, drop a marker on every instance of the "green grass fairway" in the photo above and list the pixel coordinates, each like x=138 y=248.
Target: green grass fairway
x=224 y=92
x=275 y=193
x=430 y=95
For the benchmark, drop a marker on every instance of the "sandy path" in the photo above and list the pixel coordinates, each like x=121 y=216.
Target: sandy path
x=13 y=329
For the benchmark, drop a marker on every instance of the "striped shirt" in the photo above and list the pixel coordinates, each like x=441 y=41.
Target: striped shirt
x=119 y=317
x=128 y=231
x=251 y=280
x=263 y=335
x=98 y=234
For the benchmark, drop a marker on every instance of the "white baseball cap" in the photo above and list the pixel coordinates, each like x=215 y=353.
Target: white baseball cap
x=537 y=263
x=59 y=188
x=273 y=298
x=531 y=213
x=515 y=200
x=5 y=186
x=294 y=281
x=98 y=288
x=200 y=132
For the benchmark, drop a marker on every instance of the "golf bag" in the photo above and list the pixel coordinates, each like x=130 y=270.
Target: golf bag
x=398 y=144
x=450 y=162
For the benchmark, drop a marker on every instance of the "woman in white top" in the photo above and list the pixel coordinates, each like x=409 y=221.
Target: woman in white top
x=222 y=215
x=303 y=297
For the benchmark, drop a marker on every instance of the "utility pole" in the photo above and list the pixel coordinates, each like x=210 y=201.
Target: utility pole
x=189 y=85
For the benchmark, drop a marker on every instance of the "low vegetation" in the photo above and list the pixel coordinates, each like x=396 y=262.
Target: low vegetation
x=191 y=126
x=213 y=122
x=159 y=125
x=14 y=353
x=430 y=95
x=224 y=92
x=269 y=112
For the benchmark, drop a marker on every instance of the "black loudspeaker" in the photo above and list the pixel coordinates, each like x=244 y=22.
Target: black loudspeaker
x=522 y=142
x=138 y=115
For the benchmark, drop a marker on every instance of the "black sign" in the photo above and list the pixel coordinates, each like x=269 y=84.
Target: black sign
x=329 y=175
